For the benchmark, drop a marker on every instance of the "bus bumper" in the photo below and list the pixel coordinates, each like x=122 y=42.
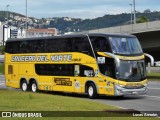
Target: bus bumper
x=120 y=91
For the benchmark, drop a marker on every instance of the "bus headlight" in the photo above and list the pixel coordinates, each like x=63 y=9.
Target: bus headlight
x=119 y=89
x=119 y=85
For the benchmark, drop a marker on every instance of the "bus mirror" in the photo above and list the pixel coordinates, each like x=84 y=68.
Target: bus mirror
x=151 y=58
x=114 y=57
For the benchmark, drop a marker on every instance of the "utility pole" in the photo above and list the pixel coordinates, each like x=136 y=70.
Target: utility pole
x=7 y=23
x=134 y=7
x=26 y=19
x=131 y=12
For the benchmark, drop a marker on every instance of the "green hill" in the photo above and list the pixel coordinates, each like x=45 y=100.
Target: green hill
x=66 y=24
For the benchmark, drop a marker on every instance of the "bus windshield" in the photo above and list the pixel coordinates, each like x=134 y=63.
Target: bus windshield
x=133 y=71
x=127 y=45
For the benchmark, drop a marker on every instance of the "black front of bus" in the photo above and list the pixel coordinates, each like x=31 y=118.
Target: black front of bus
x=130 y=68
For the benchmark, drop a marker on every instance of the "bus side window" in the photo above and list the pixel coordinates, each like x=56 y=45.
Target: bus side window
x=51 y=45
x=10 y=69
x=86 y=71
x=55 y=69
x=37 y=46
x=100 y=44
x=82 y=45
x=24 y=47
x=65 y=45
x=13 y=47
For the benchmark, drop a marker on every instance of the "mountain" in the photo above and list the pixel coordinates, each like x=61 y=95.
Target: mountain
x=100 y=22
x=67 y=24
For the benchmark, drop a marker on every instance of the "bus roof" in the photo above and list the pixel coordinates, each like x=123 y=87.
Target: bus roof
x=71 y=35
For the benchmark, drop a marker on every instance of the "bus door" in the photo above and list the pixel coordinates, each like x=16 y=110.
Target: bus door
x=101 y=85
x=78 y=84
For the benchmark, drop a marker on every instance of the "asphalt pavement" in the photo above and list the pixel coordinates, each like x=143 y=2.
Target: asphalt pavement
x=2 y=82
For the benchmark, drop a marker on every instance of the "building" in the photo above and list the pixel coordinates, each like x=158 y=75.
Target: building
x=5 y=33
x=41 y=32
x=14 y=32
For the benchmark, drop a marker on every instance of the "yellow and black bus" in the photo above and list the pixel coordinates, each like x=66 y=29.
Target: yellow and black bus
x=93 y=64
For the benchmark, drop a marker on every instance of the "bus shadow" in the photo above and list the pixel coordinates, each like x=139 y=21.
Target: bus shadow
x=118 y=98
x=102 y=97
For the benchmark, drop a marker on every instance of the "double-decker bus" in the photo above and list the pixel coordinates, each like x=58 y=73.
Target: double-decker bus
x=93 y=64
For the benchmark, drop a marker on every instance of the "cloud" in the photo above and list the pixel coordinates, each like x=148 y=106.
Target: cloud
x=76 y=8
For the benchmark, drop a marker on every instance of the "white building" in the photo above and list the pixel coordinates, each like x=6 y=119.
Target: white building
x=14 y=32
x=36 y=33
x=5 y=33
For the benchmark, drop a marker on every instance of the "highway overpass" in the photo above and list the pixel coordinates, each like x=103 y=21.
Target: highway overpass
x=148 y=34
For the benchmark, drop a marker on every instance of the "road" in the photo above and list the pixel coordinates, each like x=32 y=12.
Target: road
x=2 y=82
x=148 y=102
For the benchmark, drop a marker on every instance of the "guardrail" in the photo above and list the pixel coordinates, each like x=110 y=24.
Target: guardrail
x=1 y=58
x=129 y=29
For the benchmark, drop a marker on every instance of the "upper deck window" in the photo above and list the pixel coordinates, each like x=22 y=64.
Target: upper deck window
x=100 y=44
x=125 y=45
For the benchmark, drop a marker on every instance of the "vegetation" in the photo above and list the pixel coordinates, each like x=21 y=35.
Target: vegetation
x=2 y=50
x=142 y=19
x=65 y=24
x=26 y=101
x=102 y=22
x=1 y=68
x=153 y=76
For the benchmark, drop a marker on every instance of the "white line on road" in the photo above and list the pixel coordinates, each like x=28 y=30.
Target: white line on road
x=154 y=88
x=120 y=107
x=151 y=96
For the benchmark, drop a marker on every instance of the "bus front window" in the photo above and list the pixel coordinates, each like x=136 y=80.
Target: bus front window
x=126 y=46
x=133 y=71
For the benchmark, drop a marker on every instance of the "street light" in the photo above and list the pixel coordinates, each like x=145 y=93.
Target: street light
x=7 y=22
x=26 y=18
x=131 y=12
x=134 y=6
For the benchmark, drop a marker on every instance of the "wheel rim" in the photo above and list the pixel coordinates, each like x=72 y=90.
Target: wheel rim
x=24 y=86
x=90 y=91
x=34 y=87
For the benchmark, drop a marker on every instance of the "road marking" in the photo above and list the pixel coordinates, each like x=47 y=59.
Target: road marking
x=2 y=83
x=151 y=96
x=154 y=88
x=120 y=107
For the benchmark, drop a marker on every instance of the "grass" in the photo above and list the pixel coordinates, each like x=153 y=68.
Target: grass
x=1 y=68
x=153 y=76
x=27 y=101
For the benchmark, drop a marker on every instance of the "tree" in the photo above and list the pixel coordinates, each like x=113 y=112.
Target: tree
x=147 y=11
x=142 y=19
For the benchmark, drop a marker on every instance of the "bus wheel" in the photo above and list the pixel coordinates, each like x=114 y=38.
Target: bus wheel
x=34 y=86
x=24 y=85
x=92 y=92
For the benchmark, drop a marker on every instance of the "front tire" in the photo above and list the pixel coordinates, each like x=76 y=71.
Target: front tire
x=92 y=91
x=24 y=86
x=34 y=87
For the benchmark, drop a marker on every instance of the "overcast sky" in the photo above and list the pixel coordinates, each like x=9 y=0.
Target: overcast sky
x=77 y=8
